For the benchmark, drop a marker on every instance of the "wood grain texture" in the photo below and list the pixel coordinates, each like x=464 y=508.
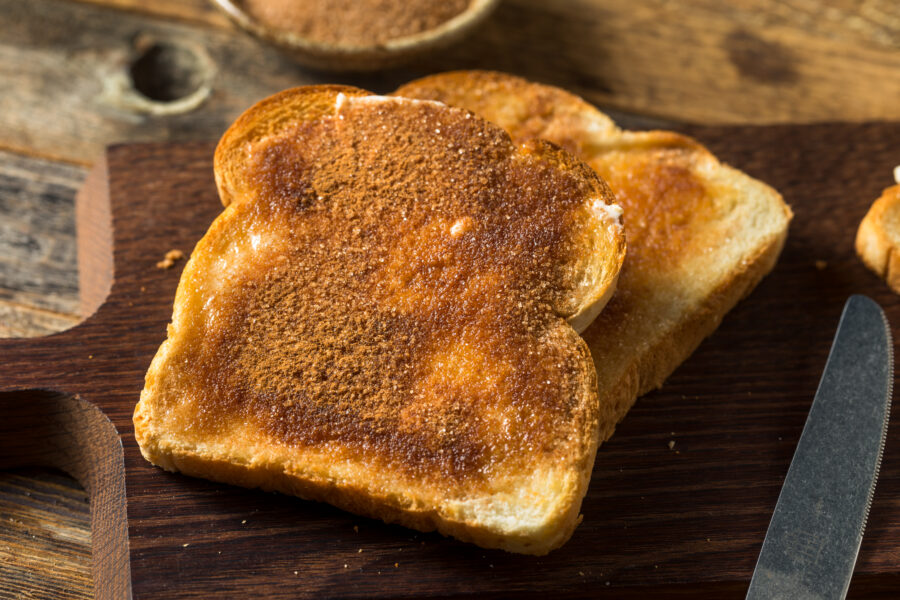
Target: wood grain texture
x=51 y=428
x=95 y=259
x=38 y=281
x=192 y=11
x=44 y=58
x=874 y=23
x=701 y=61
x=45 y=540
x=660 y=521
x=21 y=320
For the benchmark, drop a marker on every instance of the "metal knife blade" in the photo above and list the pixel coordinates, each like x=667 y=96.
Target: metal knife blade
x=813 y=539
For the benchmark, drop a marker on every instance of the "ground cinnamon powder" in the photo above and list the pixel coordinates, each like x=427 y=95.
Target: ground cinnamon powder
x=401 y=300
x=354 y=22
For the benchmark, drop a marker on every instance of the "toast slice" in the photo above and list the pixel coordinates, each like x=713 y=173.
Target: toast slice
x=382 y=318
x=878 y=236
x=701 y=235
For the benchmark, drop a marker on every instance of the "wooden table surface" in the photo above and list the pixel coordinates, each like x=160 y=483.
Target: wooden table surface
x=68 y=74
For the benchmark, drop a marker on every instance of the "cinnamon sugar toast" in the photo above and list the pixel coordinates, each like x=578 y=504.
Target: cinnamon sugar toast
x=701 y=235
x=878 y=237
x=383 y=317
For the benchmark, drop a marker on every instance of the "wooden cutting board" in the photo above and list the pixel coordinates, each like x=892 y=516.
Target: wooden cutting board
x=658 y=520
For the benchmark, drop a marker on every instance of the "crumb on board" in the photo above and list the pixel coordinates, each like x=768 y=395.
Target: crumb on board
x=821 y=265
x=169 y=259
x=396 y=565
x=356 y=528
x=671 y=444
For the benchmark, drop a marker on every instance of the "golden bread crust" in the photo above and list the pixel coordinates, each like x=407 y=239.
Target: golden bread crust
x=524 y=109
x=267 y=118
x=378 y=320
x=700 y=234
x=878 y=237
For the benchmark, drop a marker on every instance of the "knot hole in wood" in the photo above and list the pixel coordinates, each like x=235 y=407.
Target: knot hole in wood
x=167 y=76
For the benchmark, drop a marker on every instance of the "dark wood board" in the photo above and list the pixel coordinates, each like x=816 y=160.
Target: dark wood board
x=657 y=521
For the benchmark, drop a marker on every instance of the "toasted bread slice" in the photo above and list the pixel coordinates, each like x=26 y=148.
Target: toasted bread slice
x=878 y=237
x=381 y=318
x=700 y=234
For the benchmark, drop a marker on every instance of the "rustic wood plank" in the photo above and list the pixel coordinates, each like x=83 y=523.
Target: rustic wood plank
x=657 y=522
x=191 y=11
x=18 y=320
x=874 y=23
x=44 y=58
x=45 y=536
x=702 y=62
x=37 y=244
x=698 y=61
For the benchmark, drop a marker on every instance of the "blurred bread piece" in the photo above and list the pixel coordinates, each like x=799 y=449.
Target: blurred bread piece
x=382 y=319
x=700 y=234
x=878 y=236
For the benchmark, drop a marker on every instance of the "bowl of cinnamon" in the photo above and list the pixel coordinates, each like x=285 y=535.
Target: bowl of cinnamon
x=357 y=35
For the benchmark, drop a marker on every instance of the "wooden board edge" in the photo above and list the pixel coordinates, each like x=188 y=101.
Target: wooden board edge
x=49 y=428
x=93 y=226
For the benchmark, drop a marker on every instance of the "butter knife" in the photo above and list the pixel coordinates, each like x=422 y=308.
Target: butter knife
x=813 y=539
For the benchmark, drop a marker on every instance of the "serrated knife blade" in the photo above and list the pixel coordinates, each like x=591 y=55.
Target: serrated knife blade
x=814 y=537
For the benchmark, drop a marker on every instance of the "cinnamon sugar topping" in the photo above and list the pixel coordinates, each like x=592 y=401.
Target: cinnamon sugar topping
x=405 y=302
x=354 y=22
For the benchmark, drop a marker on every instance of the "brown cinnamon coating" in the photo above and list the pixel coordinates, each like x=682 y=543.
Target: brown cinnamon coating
x=354 y=22
x=403 y=294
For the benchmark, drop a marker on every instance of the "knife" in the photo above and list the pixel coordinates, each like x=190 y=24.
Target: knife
x=817 y=527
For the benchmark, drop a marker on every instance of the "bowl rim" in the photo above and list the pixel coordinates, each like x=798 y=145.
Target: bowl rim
x=476 y=10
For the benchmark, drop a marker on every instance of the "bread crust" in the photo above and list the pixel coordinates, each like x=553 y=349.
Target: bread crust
x=878 y=235
x=268 y=117
x=269 y=472
x=680 y=203
x=181 y=425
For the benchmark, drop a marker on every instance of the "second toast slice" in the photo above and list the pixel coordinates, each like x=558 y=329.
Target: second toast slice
x=701 y=234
